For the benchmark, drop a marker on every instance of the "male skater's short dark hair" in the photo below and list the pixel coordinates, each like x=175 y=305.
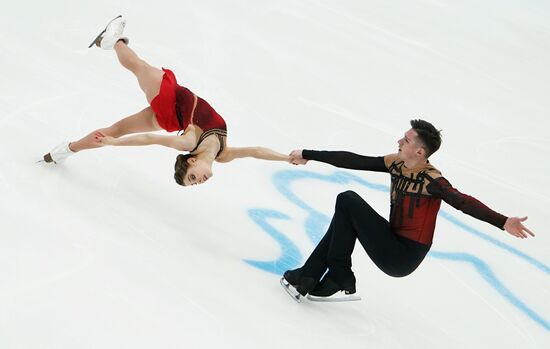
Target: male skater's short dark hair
x=428 y=135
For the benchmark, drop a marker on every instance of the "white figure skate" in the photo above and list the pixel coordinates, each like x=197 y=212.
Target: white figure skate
x=111 y=34
x=58 y=154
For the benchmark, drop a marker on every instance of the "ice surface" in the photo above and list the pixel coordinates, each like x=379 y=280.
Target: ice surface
x=106 y=251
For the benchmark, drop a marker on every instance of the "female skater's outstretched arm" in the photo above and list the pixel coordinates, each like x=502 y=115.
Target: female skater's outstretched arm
x=232 y=153
x=187 y=143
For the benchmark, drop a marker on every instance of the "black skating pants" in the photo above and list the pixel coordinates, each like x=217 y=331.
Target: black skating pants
x=353 y=220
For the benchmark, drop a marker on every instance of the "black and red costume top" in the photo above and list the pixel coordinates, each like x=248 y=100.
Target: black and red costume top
x=416 y=193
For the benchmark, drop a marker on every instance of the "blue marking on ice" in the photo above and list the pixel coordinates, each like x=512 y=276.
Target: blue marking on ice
x=489 y=276
x=290 y=254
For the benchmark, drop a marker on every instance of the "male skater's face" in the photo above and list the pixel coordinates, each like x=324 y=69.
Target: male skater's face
x=408 y=146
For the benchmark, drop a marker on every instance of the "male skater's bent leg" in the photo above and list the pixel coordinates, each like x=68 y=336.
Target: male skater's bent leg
x=356 y=219
x=353 y=216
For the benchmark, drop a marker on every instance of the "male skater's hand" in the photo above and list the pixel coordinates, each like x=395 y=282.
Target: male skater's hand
x=296 y=158
x=514 y=226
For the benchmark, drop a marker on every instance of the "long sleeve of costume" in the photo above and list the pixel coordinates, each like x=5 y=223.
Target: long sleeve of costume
x=440 y=187
x=346 y=159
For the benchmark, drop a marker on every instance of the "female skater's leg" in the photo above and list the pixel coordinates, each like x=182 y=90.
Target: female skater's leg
x=149 y=77
x=144 y=121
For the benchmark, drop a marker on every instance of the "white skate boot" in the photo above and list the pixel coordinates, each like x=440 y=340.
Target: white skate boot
x=111 y=34
x=58 y=154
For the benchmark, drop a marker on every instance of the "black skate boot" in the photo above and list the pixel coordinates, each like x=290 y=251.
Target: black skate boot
x=331 y=290
x=296 y=285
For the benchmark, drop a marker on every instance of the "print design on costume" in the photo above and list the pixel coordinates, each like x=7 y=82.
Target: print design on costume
x=401 y=186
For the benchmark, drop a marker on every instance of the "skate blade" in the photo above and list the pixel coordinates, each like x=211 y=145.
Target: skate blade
x=337 y=297
x=103 y=31
x=45 y=162
x=291 y=290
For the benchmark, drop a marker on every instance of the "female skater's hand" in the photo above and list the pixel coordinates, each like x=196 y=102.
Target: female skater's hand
x=514 y=226
x=296 y=158
x=100 y=139
x=97 y=139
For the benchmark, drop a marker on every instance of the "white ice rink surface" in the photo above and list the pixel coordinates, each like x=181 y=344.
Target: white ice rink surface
x=106 y=251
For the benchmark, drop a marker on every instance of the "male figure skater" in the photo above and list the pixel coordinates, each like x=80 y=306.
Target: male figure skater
x=397 y=247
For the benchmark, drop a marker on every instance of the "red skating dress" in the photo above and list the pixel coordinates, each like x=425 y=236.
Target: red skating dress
x=173 y=108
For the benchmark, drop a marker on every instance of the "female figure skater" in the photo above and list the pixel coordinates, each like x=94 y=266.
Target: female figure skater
x=172 y=108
